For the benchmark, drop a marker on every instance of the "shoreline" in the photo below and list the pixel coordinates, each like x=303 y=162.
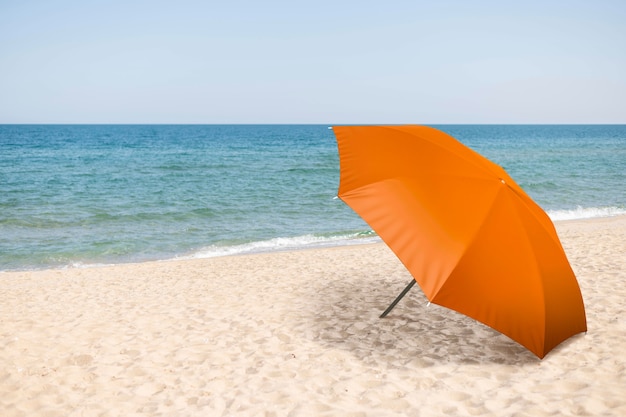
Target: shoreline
x=314 y=246
x=297 y=332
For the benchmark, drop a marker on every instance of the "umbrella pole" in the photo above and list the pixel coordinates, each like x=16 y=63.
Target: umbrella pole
x=402 y=294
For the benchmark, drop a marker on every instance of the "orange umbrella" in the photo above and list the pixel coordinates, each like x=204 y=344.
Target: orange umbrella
x=473 y=240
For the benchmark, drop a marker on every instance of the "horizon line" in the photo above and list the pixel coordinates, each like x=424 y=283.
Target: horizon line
x=297 y=124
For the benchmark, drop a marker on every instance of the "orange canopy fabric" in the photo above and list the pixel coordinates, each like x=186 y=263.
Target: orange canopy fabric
x=473 y=240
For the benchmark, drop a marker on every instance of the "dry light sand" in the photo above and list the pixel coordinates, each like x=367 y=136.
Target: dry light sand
x=298 y=334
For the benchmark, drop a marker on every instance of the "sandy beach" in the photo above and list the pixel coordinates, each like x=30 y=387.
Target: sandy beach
x=298 y=334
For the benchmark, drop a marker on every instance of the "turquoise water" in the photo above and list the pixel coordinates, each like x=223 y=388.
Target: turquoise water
x=73 y=195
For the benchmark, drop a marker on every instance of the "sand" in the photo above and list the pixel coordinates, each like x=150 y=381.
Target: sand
x=298 y=334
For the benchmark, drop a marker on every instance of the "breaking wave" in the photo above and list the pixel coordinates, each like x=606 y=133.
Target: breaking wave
x=585 y=213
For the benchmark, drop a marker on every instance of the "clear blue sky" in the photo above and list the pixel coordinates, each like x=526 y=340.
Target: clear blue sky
x=127 y=61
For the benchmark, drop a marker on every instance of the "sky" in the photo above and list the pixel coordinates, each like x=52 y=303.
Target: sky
x=344 y=62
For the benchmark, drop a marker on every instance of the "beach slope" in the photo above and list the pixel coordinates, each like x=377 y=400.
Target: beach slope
x=298 y=333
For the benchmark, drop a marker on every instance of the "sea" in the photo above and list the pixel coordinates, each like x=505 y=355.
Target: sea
x=76 y=196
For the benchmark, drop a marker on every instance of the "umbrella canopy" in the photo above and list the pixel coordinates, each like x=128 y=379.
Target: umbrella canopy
x=474 y=241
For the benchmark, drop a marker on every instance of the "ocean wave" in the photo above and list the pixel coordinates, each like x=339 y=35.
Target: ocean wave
x=356 y=238
x=285 y=244
x=585 y=213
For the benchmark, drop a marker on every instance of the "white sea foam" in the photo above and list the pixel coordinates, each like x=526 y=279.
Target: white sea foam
x=585 y=213
x=83 y=265
x=283 y=244
x=312 y=241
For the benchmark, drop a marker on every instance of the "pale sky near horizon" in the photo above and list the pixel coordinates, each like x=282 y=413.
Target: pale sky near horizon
x=345 y=62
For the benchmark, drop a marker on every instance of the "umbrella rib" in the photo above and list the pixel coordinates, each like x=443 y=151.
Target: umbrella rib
x=527 y=243
x=466 y=248
x=471 y=160
x=539 y=215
